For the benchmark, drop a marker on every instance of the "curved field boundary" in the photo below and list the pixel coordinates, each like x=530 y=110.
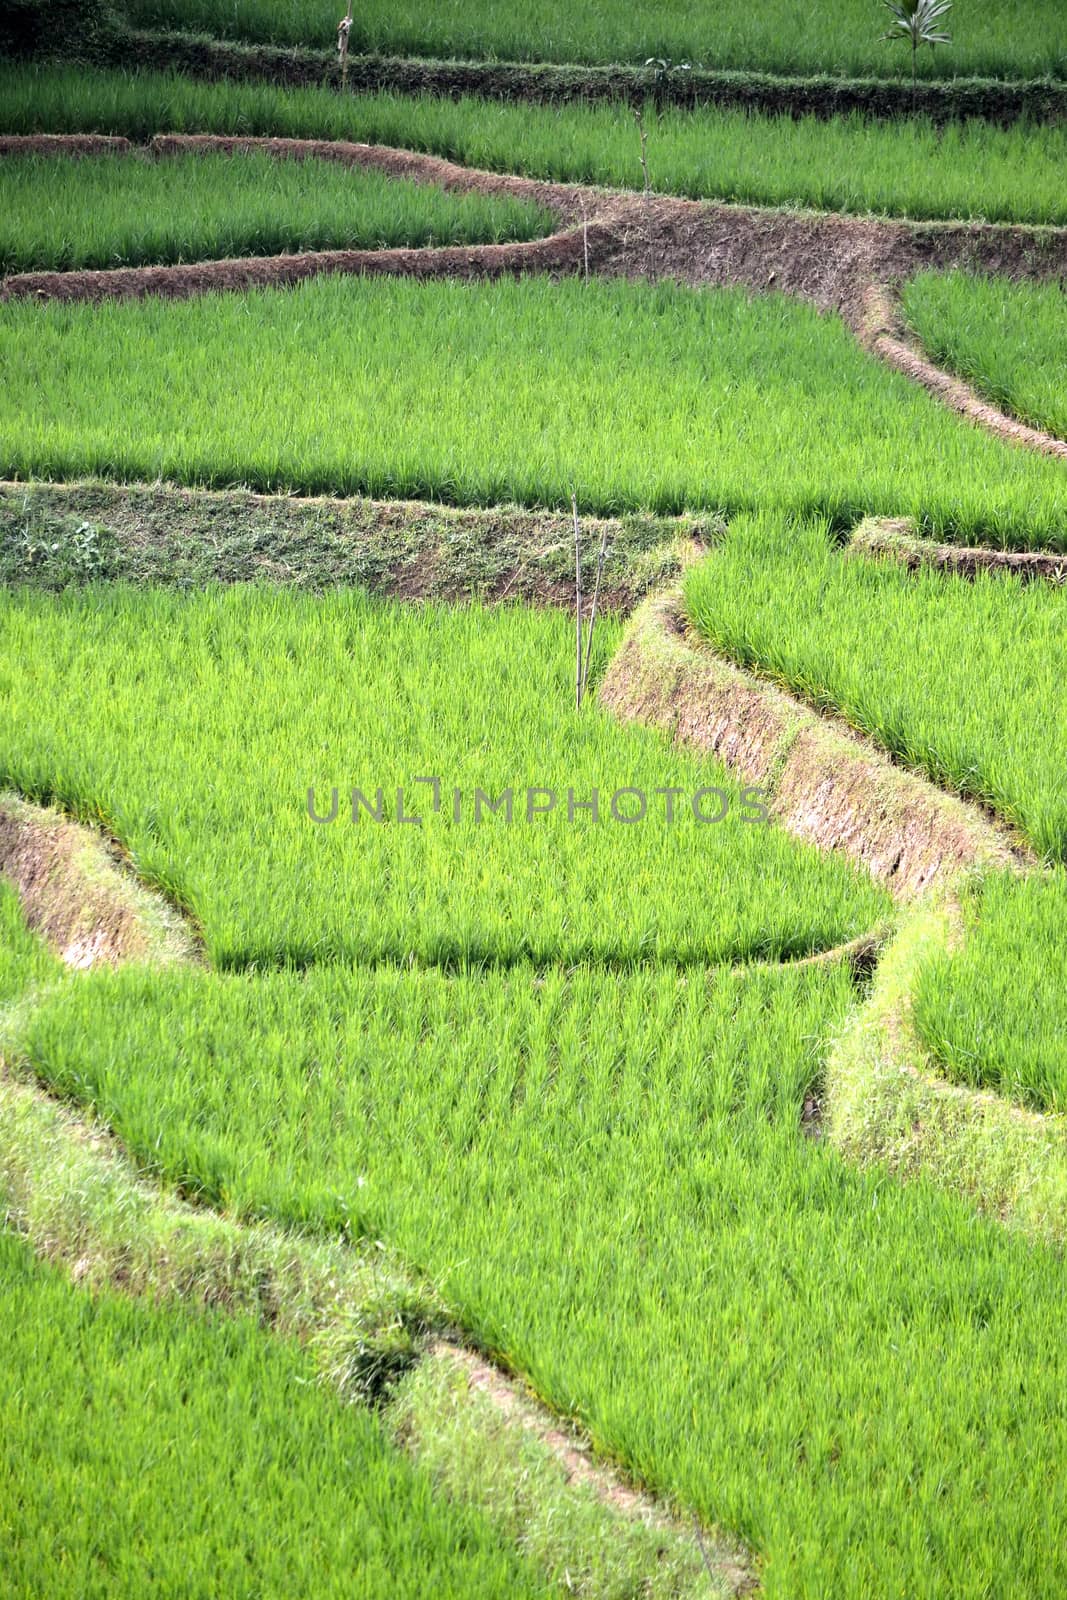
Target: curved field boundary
x=823 y=783
x=65 y=144
x=76 y=894
x=883 y=333
x=895 y=539
x=829 y=259
x=560 y=253
x=351 y=1305
x=886 y=1105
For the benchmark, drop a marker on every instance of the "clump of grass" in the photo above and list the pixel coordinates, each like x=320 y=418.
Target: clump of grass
x=52 y=551
x=1007 y=339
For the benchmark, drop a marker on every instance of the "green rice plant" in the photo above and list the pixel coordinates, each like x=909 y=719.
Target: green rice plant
x=513 y=390
x=153 y=1446
x=1001 y=39
x=904 y=168
x=114 y=211
x=24 y=961
x=145 y=710
x=604 y=1174
x=1007 y=339
x=966 y=681
x=992 y=1013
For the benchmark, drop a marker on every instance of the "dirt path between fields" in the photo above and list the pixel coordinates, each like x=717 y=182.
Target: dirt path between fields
x=896 y=538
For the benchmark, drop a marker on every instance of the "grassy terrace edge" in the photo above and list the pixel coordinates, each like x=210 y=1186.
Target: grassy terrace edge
x=53 y=535
x=200 y=55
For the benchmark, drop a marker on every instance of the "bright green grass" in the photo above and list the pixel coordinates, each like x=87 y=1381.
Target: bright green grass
x=194 y=726
x=151 y=1449
x=605 y=1175
x=993 y=1013
x=843 y=164
x=24 y=960
x=1008 y=339
x=1003 y=38
x=965 y=681
x=660 y=398
x=114 y=211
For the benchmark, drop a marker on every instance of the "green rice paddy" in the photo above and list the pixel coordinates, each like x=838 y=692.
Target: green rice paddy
x=605 y=1175
x=560 y=1059
x=147 y=1443
x=143 y=711
x=1027 y=39
x=961 y=680
x=660 y=398
x=117 y=211
x=906 y=168
x=1007 y=339
x=992 y=1013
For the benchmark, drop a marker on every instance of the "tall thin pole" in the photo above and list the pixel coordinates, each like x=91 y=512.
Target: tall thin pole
x=592 y=610
x=577 y=603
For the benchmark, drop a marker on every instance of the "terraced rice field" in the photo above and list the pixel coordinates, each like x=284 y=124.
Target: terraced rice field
x=117 y=211
x=721 y=382
x=1008 y=339
x=1026 y=40
x=845 y=163
x=607 y=1177
x=455 y=1139
x=174 y=751
x=962 y=680
x=237 y=1470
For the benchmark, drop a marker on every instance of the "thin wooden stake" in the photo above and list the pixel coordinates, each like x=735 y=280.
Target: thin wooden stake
x=592 y=611
x=577 y=603
x=643 y=134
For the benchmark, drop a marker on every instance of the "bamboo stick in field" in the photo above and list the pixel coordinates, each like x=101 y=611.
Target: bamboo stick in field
x=592 y=612
x=577 y=603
